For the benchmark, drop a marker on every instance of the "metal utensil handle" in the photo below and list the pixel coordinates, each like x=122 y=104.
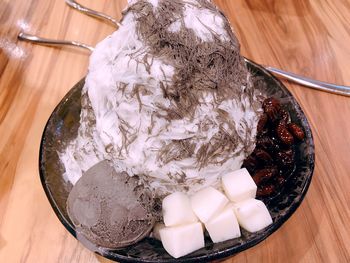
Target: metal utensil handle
x=91 y=12
x=52 y=42
x=311 y=83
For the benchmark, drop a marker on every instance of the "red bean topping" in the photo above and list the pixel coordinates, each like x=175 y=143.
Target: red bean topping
x=266 y=190
x=261 y=124
x=273 y=159
x=297 y=132
x=263 y=156
x=250 y=163
x=285 y=158
x=264 y=175
x=283 y=134
x=272 y=107
x=285 y=116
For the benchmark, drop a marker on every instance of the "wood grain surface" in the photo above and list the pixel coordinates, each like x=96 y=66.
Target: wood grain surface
x=310 y=37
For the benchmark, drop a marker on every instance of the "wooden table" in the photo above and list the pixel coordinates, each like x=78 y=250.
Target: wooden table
x=309 y=37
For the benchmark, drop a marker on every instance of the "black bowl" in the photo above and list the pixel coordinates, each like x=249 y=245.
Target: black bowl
x=62 y=127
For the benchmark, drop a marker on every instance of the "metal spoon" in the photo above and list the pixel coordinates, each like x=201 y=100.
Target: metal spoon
x=307 y=82
x=52 y=42
x=91 y=12
x=310 y=83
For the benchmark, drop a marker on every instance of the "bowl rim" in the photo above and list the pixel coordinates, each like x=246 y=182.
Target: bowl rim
x=219 y=254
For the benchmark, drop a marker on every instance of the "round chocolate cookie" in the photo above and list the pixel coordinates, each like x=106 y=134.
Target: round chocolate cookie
x=110 y=209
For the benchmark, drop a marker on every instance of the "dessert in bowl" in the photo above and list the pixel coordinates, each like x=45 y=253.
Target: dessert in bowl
x=168 y=106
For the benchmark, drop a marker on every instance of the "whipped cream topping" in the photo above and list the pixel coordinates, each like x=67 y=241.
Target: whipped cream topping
x=124 y=118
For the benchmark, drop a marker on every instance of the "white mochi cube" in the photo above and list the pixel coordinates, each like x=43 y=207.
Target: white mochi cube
x=223 y=226
x=208 y=202
x=181 y=240
x=239 y=185
x=156 y=229
x=177 y=210
x=252 y=215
